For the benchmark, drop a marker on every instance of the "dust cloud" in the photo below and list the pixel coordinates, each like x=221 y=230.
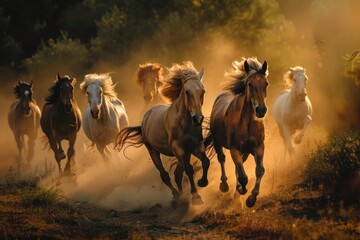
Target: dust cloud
x=135 y=183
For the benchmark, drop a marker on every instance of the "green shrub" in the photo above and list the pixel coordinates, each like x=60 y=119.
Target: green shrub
x=335 y=166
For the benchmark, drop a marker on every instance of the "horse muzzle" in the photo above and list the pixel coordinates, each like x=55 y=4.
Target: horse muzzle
x=95 y=113
x=260 y=111
x=197 y=119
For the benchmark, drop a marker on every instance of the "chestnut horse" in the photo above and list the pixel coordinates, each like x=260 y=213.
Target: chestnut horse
x=175 y=129
x=236 y=123
x=24 y=119
x=61 y=119
x=149 y=76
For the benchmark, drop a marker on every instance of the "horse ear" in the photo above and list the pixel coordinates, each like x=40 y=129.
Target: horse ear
x=264 y=67
x=58 y=77
x=201 y=74
x=246 y=67
x=31 y=84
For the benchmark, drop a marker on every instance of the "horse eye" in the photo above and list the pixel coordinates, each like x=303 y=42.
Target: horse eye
x=186 y=92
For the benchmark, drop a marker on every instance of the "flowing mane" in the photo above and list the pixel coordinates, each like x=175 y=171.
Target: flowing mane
x=19 y=86
x=146 y=68
x=289 y=75
x=237 y=77
x=102 y=80
x=173 y=83
x=54 y=90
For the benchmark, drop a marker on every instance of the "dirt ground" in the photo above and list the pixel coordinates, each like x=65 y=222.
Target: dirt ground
x=291 y=212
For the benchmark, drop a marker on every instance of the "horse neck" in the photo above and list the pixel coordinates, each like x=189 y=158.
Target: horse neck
x=104 y=115
x=182 y=110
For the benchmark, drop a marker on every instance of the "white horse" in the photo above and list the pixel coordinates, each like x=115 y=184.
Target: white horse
x=105 y=114
x=292 y=108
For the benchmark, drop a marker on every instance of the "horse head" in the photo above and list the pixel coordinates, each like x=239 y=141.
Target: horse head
x=66 y=91
x=95 y=98
x=256 y=85
x=148 y=78
x=299 y=82
x=24 y=93
x=194 y=91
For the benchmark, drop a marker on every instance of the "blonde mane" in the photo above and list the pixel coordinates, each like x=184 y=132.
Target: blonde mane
x=289 y=75
x=103 y=80
x=237 y=77
x=146 y=68
x=178 y=74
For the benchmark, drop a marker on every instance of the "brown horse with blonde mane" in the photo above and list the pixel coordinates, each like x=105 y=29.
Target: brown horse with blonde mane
x=175 y=129
x=61 y=119
x=149 y=77
x=236 y=123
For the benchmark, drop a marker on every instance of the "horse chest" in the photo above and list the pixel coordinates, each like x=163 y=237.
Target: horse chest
x=64 y=126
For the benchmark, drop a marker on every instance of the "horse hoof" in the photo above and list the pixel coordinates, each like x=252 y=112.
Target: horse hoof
x=250 y=201
x=197 y=200
x=60 y=155
x=224 y=187
x=202 y=182
x=241 y=190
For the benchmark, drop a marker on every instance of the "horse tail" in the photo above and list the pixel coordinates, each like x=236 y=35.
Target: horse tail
x=131 y=136
x=209 y=145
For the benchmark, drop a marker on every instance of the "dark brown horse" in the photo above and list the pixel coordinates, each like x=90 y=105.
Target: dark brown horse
x=24 y=119
x=174 y=130
x=236 y=123
x=61 y=119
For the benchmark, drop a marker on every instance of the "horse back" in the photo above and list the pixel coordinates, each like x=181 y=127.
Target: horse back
x=154 y=128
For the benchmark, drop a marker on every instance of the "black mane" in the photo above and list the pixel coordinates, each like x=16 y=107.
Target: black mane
x=21 y=85
x=54 y=90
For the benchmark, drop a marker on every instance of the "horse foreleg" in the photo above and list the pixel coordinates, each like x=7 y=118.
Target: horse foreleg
x=185 y=159
x=19 y=145
x=259 y=172
x=70 y=154
x=179 y=171
x=102 y=149
x=301 y=134
x=241 y=177
x=287 y=140
x=31 y=146
x=200 y=153
x=155 y=156
x=224 y=186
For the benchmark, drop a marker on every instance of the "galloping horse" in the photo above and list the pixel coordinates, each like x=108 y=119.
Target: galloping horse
x=24 y=119
x=236 y=123
x=105 y=114
x=61 y=119
x=149 y=76
x=175 y=129
x=292 y=108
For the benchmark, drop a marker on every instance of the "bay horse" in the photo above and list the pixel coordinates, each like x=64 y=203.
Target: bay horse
x=24 y=119
x=105 y=114
x=292 y=108
x=149 y=77
x=175 y=129
x=236 y=123
x=61 y=119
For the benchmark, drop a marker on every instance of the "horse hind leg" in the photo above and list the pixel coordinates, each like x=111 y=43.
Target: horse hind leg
x=224 y=186
x=155 y=156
